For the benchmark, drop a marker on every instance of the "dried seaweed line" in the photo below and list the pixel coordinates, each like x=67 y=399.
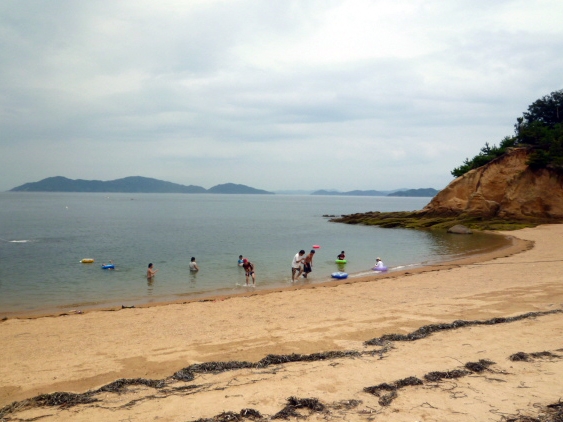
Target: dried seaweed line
x=188 y=373
x=66 y=400
x=61 y=399
x=120 y=385
x=391 y=389
x=426 y=330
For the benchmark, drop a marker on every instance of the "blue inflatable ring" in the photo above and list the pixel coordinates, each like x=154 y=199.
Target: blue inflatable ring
x=339 y=275
x=108 y=267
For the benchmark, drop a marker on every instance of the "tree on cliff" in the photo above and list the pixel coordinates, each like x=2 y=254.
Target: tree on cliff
x=540 y=129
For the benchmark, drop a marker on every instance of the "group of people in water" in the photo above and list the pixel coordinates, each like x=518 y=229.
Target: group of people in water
x=302 y=265
x=151 y=271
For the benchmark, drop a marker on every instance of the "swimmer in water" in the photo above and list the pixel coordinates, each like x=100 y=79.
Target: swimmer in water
x=193 y=265
x=150 y=271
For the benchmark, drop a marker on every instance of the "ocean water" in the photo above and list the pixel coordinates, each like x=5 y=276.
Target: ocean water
x=43 y=237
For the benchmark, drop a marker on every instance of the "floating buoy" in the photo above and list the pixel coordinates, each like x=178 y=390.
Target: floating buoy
x=340 y=261
x=316 y=247
x=339 y=275
x=87 y=261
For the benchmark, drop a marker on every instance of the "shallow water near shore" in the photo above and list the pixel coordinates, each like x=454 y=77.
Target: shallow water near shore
x=43 y=237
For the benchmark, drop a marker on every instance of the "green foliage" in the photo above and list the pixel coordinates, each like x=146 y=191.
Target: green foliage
x=487 y=154
x=540 y=128
x=547 y=144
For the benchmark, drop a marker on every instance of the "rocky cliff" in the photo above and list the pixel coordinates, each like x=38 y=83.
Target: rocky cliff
x=506 y=188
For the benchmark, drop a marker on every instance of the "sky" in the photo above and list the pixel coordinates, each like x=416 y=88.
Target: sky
x=277 y=95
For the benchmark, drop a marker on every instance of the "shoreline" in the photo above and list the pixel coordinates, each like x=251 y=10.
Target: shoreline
x=515 y=246
x=82 y=353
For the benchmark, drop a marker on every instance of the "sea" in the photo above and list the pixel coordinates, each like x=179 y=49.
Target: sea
x=44 y=237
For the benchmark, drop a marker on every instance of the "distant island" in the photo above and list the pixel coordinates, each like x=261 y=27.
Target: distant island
x=351 y=193
x=427 y=192
x=139 y=184
x=133 y=184
x=430 y=192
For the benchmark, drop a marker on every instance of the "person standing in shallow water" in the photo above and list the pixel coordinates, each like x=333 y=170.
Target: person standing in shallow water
x=296 y=265
x=308 y=263
x=249 y=271
x=151 y=271
x=193 y=265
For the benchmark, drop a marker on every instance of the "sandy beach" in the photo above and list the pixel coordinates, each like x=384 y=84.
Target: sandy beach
x=323 y=368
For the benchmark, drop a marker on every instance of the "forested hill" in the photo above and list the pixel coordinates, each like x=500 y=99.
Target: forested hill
x=133 y=184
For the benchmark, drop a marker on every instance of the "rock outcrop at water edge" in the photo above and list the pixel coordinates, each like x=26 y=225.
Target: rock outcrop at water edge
x=506 y=188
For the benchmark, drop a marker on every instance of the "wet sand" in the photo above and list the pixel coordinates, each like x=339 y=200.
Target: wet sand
x=82 y=352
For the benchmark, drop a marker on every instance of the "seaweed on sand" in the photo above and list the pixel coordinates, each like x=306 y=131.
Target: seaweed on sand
x=520 y=357
x=293 y=403
x=61 y=399
x=480 y=366
x=390 y=390
x=120 y=385
x=188 y=373
x=223 y=417
x=439 y=375
x=386 y=399
x=251 y=414
x=550 y=413
x=470 y=367
x=313 y=357
x=527 y=357
x=66 y=400
x=426 y=330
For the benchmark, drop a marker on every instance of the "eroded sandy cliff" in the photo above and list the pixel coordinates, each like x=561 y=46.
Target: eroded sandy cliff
x=506 y=187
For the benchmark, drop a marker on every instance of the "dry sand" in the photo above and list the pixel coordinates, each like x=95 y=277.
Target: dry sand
x=82 y=352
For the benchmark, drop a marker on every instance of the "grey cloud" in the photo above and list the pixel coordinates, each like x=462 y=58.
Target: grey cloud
x=145 y=80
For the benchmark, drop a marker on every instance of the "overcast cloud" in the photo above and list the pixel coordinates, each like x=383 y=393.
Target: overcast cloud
x=276 y=95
